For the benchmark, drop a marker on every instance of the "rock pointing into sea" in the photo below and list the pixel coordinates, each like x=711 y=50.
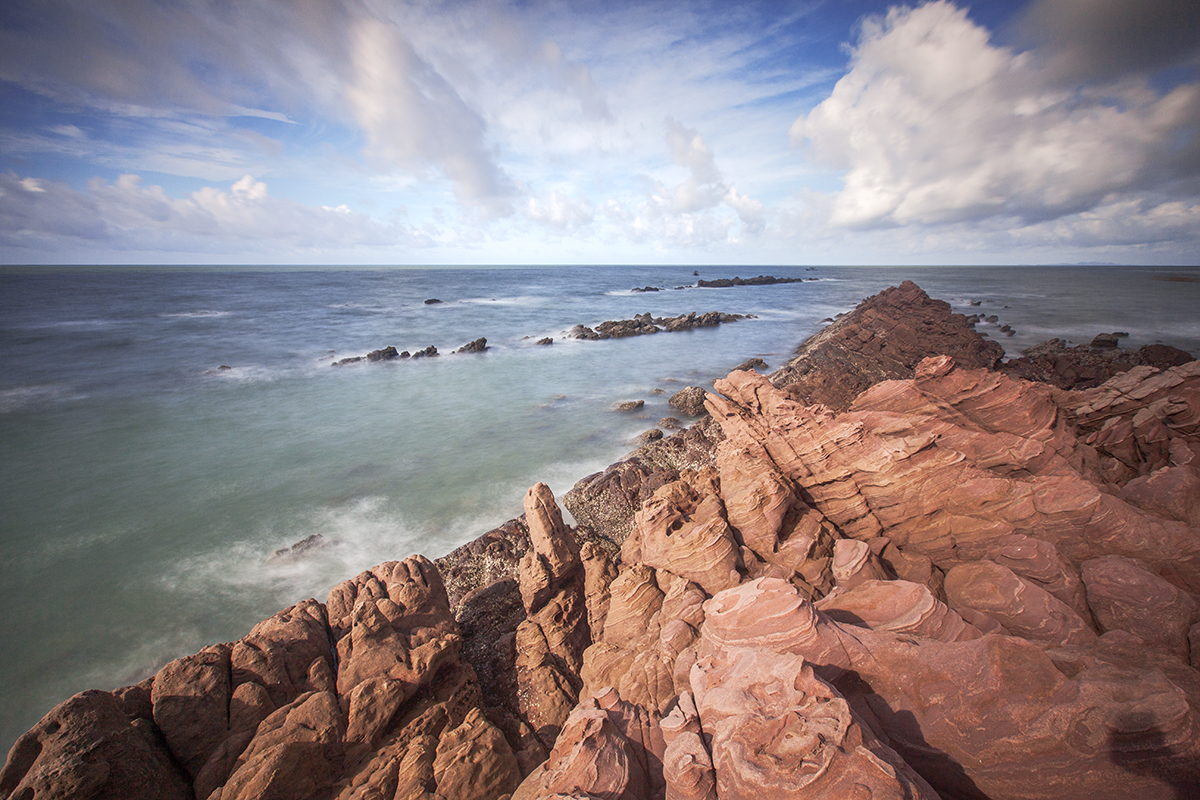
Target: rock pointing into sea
x=931 y=580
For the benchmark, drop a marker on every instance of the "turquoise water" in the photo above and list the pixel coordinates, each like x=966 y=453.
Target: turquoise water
x=145 y=488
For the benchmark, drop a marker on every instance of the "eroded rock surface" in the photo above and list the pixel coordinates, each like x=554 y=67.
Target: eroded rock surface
x=884 y=338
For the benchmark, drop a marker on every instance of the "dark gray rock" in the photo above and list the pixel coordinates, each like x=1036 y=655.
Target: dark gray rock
x=1107 y=340
x=750 y=364
x=383 y=354
x=477 y=346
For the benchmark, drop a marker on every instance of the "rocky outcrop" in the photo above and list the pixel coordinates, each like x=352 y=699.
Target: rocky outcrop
x=955 y=584
x=643 y=324
x=760 y=630
x=761 y=280
x=606 y=501
x=883 y=339
x=477 y=346
x=1084 y=367
x=90 y=747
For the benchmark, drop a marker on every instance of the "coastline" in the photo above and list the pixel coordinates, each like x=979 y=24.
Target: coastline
x=496 y=585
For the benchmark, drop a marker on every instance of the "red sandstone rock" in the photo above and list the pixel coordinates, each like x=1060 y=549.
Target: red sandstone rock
x=474 y=762
x=953 y=458
x=991 y=715
x=884 y=338
x=607 y=501
x=1021 y=607
x=682 y=528
x=608 y=749
x=88 y=748
x=776 y=730
x=191 y=705
x=296 y=753
x=288 y=654
x=400 y=627
x=551 y=641
x=1172 y=492
x=898 y=607
x=1124 y=595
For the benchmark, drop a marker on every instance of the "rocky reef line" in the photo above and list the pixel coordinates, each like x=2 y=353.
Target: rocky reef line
x=894 y=568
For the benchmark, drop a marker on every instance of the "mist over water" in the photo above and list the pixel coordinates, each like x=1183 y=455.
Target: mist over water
x=146 y=488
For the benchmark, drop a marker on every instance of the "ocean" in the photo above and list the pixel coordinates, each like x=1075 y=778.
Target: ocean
x=164 y=431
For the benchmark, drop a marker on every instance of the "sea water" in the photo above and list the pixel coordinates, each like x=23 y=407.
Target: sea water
x=164 y=431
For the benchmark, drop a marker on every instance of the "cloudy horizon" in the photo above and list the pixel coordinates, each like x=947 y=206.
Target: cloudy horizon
x=379 y=132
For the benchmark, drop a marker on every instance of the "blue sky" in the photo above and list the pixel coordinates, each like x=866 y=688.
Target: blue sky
x=385 y=132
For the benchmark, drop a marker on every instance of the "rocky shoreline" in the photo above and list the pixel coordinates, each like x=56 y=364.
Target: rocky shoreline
x=895 y=567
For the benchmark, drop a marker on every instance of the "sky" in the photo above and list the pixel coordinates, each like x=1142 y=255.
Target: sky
x=379 y=132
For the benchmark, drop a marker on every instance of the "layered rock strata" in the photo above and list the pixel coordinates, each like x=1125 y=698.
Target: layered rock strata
x=955 y=584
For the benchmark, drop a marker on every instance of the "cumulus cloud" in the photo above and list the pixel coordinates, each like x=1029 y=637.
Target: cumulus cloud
x=934 y=124
x=689 y=213
x=126 y=214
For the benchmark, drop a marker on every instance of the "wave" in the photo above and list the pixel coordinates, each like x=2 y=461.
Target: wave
x=22 y=397
x=516 y=300
x=202 y=314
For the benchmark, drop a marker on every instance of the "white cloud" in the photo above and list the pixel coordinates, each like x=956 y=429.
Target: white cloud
x=935 y=124
x=412 y=116
x=127 y=215
x=560 y=211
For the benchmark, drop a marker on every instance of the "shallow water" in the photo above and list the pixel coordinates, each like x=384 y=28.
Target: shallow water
x=145 y=488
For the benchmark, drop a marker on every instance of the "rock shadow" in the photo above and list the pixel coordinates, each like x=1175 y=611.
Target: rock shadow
x=901 y=731
x=1145 y=751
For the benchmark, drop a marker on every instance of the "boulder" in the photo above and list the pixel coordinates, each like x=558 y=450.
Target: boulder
x=88 y=748
x=689 y=401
